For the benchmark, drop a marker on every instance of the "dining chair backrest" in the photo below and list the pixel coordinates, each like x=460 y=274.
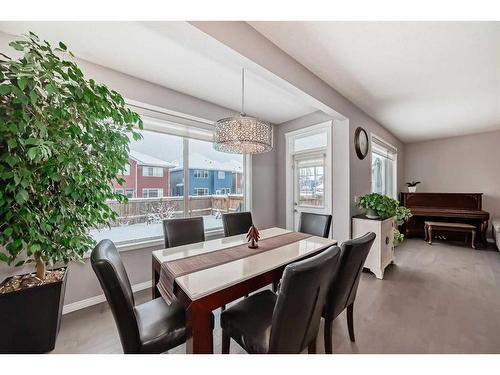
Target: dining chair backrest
x=300 y=302
x=184 y=231
x=345 y=282
x=236 y=223
x=108 y=267
x=315 y=224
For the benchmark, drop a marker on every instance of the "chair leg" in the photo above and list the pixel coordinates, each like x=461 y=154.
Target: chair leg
x=328 y=336
x=275 y=286
x=350 y=321
x=226 y=342
x=311 y=349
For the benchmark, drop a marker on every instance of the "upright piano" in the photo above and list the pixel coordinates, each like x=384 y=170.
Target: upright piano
x=449 y=207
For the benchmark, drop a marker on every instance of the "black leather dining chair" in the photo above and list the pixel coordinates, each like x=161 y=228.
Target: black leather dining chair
x=236 y=223
x=345 y=283
x=315 y=224
x=287 y=322
x=152 y=327
x=184 y=231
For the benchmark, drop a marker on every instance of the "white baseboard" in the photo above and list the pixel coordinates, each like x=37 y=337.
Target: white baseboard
x=99 y=299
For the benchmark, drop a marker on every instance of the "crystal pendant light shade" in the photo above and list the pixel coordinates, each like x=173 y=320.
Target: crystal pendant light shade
x=243 y=134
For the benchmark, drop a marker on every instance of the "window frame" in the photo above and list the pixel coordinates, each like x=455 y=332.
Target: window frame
x=163 y=121
x=152 y=168
x=159 y=192
x=201 y=174
x=392 y=149
x=205 y=192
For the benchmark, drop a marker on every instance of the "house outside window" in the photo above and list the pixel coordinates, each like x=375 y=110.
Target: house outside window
x=384 y=167
x=221 y=175
x=152 y=171
x=201 y=174
x=176 y=155
x=152 y=193
x=200 y=191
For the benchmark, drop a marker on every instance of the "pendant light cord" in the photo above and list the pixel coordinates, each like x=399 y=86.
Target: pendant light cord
x=243 y=91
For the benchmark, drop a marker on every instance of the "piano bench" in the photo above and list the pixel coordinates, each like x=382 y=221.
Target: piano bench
x=431 y=226
x=495 y=223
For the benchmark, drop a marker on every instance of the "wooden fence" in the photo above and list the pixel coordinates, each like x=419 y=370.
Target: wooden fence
x=144 y=210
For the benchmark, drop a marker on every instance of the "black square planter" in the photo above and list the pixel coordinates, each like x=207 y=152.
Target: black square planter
x=30 y=318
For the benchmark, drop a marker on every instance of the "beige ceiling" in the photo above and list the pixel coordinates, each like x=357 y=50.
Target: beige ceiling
x=421 y=80
x=175 y=55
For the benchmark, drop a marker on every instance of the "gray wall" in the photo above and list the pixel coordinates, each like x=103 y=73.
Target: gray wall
x=465 y=164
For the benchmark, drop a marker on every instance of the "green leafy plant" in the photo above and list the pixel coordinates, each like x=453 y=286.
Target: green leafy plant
x=383 y=205
x=402 y=215
x=63 y=138
x=386 y=207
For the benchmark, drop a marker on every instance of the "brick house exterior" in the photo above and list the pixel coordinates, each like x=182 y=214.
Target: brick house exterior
x=145 y=177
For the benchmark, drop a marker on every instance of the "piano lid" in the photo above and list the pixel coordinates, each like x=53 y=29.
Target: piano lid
x=455 y=201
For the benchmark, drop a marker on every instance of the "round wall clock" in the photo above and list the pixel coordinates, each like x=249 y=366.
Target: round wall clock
x=361 y=143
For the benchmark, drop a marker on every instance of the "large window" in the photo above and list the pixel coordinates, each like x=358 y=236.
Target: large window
x=384 y=167
x=185 y=188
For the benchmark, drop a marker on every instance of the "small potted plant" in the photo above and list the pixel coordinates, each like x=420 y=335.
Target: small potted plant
x=412 y=186
x=63 y=138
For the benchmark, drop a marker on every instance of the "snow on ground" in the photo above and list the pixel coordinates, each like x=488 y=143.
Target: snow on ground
x=131 y=233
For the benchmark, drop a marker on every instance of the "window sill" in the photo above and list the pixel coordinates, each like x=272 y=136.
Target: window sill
x=144 y=243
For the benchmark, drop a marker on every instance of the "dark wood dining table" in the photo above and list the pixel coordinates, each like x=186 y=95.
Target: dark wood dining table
x=204 y=291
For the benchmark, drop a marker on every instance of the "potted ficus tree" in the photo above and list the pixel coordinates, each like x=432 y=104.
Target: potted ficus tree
x=63 y=138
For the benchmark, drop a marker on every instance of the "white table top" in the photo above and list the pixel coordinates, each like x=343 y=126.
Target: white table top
x=202 y=283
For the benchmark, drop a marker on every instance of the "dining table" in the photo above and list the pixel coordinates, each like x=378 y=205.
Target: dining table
x=219 y=279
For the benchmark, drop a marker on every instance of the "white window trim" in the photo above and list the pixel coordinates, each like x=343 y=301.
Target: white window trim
x=205 y=175
x=159 y=192
x=390 y=145
x=205 y=192
x=155 y=171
